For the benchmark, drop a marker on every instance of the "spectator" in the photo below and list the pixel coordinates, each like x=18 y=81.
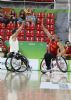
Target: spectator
x=29 y=15
x=6 y=18
x=53 y=48
x=3 y=48
x=1 y=15
x=21 y=16
x=13 y=16
x=13 y=41
x=68 y=50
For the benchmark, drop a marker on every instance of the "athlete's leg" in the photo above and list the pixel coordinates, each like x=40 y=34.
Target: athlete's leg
x=48 y=58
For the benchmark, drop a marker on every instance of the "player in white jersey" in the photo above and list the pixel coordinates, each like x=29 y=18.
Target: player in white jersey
x=13 y=41
x=14 y=44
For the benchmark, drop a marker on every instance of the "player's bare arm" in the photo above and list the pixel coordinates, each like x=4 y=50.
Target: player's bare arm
x=62 y=49
x=18 y=30
x=46 y=31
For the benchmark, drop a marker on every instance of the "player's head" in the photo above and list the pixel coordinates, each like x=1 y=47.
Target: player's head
x=13 y=32
x=55 y=37
x=67 y=43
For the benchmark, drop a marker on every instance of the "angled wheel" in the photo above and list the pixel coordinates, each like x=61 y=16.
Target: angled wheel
x=15 y=63
x=19 y=65
x=43 y=67
x=8 y=64
x=62 y=64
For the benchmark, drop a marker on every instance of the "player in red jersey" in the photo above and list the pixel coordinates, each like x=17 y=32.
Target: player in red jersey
x=55 y=48
x=3 y=48
x=68 y=50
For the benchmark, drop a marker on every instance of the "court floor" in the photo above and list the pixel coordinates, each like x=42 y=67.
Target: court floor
x=32 y=85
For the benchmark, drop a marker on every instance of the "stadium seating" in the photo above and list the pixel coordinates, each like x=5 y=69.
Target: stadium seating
x=37 y=39
x=41 y=15
x=21 y=33
x=47 y=40
x=38 y=27
x=31 y=31
x=7 y=38
x=21 y=38
x=40 y=34
x=2 y=26
x=27 y=26
x=52 y=22
x=29 y=38
x=50 y=27
x=40 y=39
x=52 y=32
x=10 y=26
x=37 y=33
x=8 y=32
x=50 y=15
x=1 y=32
x=18 y=25
x=49 y=21
x=30 y=26
x=40 y=20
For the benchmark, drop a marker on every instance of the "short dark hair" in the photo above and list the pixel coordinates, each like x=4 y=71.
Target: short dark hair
x=66 y=42
x=14 y=31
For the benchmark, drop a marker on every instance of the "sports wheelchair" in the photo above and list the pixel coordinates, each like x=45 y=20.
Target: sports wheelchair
x=59 y=61
x=16 y=62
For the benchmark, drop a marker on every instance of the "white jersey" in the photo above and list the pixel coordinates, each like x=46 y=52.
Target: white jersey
x=14 y=45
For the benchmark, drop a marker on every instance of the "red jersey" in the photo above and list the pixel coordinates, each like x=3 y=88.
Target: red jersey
x=53 y=47
x=68 y=50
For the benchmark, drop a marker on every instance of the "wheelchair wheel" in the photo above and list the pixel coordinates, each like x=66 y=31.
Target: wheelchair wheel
x=43 y=67
x=8 y=64
x=15 y=63
x=19 y=65
x=62 y=64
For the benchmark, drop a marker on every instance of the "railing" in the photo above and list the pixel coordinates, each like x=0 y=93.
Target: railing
x=23 y=3
x=26 y=1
